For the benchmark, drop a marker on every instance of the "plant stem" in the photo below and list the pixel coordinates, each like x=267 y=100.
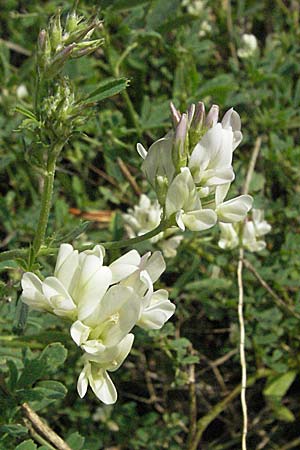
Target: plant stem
x=206 y=420
x=44 y=429
x=127 y=242
x=46 y=199
x=242 y=348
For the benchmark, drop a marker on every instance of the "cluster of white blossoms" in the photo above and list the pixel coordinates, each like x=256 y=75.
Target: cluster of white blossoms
x=146 y=216
x=190 y=169
x=104 y=303
x=249 y=46
x=248 y=234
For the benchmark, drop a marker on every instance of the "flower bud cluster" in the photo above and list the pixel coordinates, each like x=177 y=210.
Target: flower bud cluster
x=191 y=168
x=57 y=44
x=248 y=234
x=61 y=112
x=103 y=303
x=146 y=216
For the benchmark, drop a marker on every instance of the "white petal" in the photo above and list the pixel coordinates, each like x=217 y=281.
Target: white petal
x=98 y=251
x=82 y=383
x=125 y=266
x=182 y=194
x=158 y=312
x=123 y=349
x=79 y=332
x=90 y=293
x=221 y=192
x=179 y=220
x=234 y=210
x=121 y=306
x=159 y=161
x=33 y=294
x=66 y=265
x=155 y=266
x=200 y=220
x=141 y=150
x=58 y=297
x=103 y=386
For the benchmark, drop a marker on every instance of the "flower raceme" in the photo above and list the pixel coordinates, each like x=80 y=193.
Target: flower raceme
x=191 y=168
x=104 y=303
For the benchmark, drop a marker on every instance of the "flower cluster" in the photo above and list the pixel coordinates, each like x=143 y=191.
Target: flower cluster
x=249 y=46
x=104 y=303
x=146 y=216
x=248 y=234
x=191 y=169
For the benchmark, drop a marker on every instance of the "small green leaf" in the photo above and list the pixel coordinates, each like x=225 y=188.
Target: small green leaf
x=108 y=89
x=25 y=112
x=27 y=445
x=279 y=385
x=53 y=356
x=13 y=430
x=75 y=441
x=13 y=374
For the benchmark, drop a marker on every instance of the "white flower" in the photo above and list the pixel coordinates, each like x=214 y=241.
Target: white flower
x=94 y=372
x=158 y=161
x=211 y=159
x=249 y=46
x=156 y=309
x=79 y=283
x=254 y=230
x=261 y=226
x=229 y=238
x=143 y=217
x=183 y=201
x=234 y=210
x=146 y=216
x=251 y=232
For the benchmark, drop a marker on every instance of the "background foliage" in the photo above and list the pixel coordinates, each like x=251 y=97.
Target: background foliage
x=168 y=52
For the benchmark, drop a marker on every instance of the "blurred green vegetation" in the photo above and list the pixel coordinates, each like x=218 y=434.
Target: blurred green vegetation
x=170 y=50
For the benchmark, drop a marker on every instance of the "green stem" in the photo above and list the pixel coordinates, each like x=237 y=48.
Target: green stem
x=46 y=199
x=128 y=242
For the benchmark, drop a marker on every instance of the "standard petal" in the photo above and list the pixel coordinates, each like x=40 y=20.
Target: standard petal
x=124 y=266
x=159 y=161
x=33 y=294
x=234 y=210
x=91 y=291
x=66 y=265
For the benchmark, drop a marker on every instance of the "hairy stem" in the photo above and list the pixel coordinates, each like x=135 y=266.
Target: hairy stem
x=45 y=203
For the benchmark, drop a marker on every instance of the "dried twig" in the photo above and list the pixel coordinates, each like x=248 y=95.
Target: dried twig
x=279 y=301
x=125 y=171
x=44 y=429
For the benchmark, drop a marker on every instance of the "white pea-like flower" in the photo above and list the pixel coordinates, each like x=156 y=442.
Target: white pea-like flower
x=248 y=234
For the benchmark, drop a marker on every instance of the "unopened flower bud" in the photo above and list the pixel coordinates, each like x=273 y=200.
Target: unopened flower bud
x=85 y=48
x=72 y=22
x=212 y=116
x=190 y=113
x=175 y=114
x=199 y=116
x=55 y=32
